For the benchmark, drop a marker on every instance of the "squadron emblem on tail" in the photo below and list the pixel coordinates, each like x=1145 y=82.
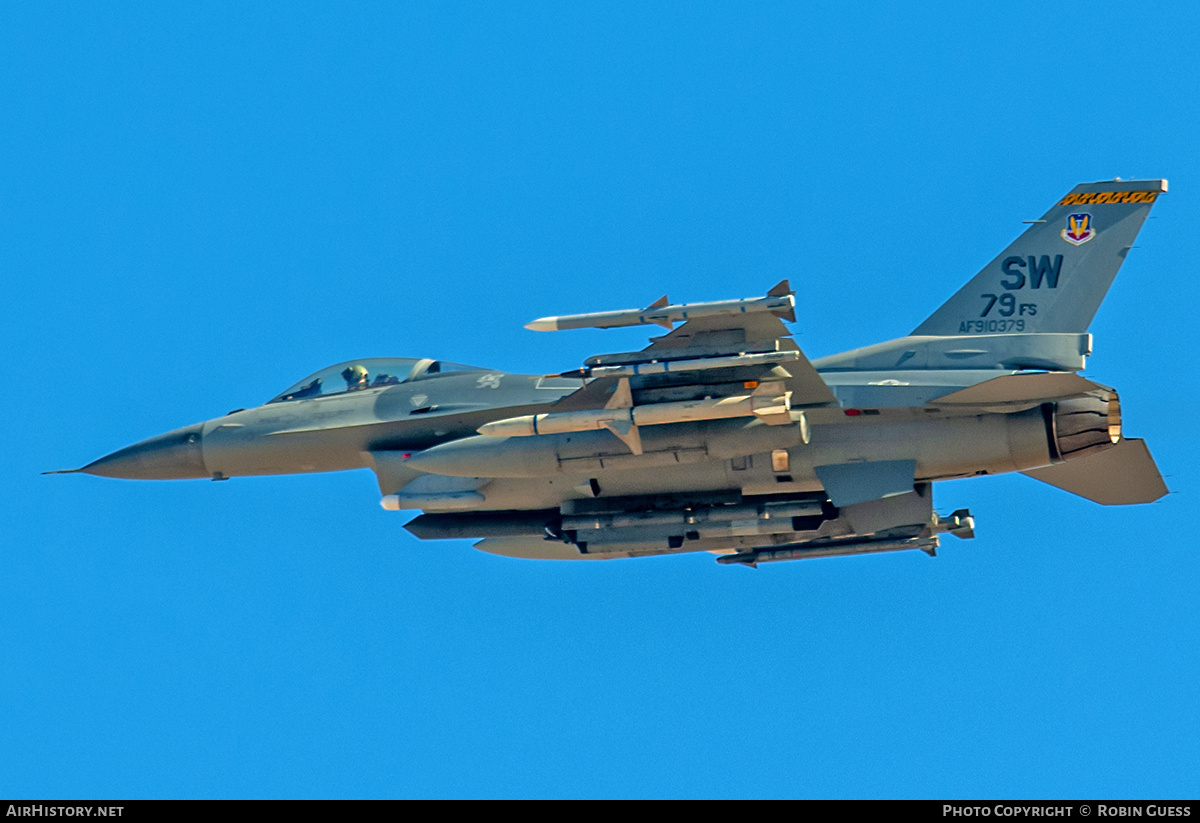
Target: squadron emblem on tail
x=1079 y=229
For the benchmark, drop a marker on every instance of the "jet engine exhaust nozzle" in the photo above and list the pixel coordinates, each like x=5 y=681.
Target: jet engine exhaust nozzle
x=1085 y=425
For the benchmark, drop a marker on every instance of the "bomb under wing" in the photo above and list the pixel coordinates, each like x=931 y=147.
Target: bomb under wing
x=721 y=435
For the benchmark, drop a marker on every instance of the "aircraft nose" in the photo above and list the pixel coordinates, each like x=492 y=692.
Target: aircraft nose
x=175 y=455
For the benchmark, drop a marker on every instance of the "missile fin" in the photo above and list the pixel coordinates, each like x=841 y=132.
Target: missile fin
x=663 y=321
x=622 y=396
x=627 y=433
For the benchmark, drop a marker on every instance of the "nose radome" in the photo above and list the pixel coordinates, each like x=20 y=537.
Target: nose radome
x=175 y=455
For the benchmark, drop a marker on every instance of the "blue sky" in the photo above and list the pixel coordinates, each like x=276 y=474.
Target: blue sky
x=202 y=203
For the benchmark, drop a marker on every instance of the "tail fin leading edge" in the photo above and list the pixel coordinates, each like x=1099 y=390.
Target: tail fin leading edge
x=1055 y=275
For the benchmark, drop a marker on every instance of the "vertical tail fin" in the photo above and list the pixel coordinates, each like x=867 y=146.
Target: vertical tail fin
x=1055 y=275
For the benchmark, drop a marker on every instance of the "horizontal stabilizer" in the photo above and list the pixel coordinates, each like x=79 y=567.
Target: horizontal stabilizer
x=1120 y=476
x=850 y=483
x=1019 y=388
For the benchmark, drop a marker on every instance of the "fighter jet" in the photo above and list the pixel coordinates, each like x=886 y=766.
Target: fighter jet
x=720 y=435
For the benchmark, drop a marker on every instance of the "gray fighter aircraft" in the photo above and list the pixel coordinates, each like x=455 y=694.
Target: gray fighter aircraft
x=721 y=436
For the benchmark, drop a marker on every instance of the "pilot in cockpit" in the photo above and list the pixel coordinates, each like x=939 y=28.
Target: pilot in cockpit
x=355 y=377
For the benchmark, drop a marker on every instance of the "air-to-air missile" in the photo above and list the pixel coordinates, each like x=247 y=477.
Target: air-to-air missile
x=779 y=301
x=721 y=436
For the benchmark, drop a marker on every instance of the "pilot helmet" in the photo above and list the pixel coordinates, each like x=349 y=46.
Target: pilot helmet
x=355 y=375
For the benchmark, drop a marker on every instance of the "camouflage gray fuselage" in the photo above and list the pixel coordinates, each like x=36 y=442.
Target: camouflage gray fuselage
x=721 y=436
x=337 y=431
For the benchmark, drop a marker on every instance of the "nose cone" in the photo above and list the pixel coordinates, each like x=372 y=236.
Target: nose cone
x=172 y=456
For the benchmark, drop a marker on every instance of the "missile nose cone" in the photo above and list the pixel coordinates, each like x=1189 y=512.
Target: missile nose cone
x=175 y=455
x=543 y=324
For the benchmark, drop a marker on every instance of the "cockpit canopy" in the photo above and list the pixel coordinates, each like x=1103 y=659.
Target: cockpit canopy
x=367 y=373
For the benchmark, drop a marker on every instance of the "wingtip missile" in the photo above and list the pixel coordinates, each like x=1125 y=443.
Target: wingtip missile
x=780 y=301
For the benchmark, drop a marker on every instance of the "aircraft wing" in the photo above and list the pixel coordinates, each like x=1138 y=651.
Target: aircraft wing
x=720 y=348
x=752 y=331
